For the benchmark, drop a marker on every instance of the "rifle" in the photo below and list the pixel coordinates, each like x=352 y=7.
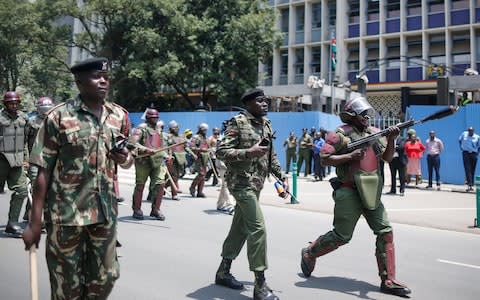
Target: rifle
x=360 y=143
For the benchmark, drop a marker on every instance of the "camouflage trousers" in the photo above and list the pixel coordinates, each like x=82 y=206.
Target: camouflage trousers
x=247 y=225
x=82 y=261
x=17 y=182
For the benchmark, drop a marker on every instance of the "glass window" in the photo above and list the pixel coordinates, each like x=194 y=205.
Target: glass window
x=299 y=61
x=284 y=20
x=460 y=4
x=300 y=11
x=284 y=62
x=353 y=65
x=316 y=15
x=268 y=67
x=415 y=61
x=354 y=14
x=316 y=60
x=461 y=58
x=414 y=7
x=436 y=6
x=373 y=10
x=372 y=51
x=393 y=9
x=414 y=47
x=332 y=12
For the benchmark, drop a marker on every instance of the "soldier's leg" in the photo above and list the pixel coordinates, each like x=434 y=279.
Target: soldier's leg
x=300 y=160
x=385 y=252
x=17 y=182
x=201 y=182
x=102 y=267
x=347 y=211
x=158 y=178
x=141 y=175
x=65 y=248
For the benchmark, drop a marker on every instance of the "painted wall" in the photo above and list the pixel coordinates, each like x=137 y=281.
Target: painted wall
x=448 y=130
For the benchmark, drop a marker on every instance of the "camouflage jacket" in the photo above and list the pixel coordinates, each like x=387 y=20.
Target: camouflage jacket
x=13 y=138
x=72 y=145
x=242 y=132
x=35 y=122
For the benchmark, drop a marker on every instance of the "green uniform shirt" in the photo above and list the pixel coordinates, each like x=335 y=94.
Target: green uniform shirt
x=72 y=145
x=242 y=132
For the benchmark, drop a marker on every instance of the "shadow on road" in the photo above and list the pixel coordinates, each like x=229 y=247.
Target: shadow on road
x=214 y=291
x=343 y=285
x=131 y=220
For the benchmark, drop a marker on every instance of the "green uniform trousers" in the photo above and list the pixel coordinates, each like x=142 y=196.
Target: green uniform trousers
x=347 y=211
x=82 y=261
x=247 y=225
x=304 y=155
x=291 y=155
x=17 y=182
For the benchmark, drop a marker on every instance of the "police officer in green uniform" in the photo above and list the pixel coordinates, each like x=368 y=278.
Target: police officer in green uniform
x=43 y=105
x=358 y=189
x=248 y=154
x=306 y=143
x=76 y=150
x=199 y=146
x=290 y=146
x=150 y=136
x=13 y=158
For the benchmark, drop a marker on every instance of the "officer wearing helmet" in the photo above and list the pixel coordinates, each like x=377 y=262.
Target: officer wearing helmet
x=150 y=163
x=357 y=192
x=199 y=146
x=14 y=157
x=42 y=105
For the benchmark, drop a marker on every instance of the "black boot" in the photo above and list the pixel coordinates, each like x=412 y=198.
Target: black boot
x=261 y=290
x=14 y=230
x=225 y=278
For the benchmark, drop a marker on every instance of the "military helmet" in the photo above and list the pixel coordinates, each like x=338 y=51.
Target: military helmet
x=11 y=96
x=172 y=124
x=203 y=126
x=151 y=113
x=355 y=107
x=216 y=130
x=43 y=105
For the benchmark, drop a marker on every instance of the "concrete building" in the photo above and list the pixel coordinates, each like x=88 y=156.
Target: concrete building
x=403 y=47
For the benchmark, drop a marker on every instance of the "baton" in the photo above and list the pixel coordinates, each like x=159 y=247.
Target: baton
x=213 y=167
x=156 y=150
x=175 y=187
x=32 y=252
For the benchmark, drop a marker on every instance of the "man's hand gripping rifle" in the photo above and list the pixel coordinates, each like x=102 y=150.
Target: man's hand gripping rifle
x=363 y=142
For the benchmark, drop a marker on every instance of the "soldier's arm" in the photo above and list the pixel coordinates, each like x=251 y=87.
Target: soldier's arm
x=333 y=153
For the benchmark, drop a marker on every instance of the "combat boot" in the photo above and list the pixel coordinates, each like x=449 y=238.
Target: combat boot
x=201 y=183
x=261 y=290
x=137 y=202
x=13 y=230
x=385 y=254
x=318 y=248
x=193 y=186
x=156 y=212
x=225 y=278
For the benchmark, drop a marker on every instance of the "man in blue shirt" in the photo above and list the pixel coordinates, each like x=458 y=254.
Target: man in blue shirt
x=317 y=166
x=469 y=144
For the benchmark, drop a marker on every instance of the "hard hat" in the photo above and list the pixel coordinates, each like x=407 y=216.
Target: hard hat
x=43 y=105
x=355 y=107
x=203 y=126
x=11 y=96
x=172 y=124
x=151 y=113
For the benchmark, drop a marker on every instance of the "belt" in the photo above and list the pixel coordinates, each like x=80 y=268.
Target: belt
x=348 y=184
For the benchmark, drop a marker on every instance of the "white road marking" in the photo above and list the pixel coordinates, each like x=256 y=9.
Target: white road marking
x=430 y=209
x=457 y=263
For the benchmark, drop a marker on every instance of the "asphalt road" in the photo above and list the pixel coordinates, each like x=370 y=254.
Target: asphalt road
x=177 y=259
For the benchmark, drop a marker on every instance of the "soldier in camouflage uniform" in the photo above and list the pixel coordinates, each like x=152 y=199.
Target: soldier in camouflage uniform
x=178 y=153
x=76 y=155
x=43 y=105
x=306 y=143
x=150 y=136
x=13 y=158
x=357 y=191
x=199 y=146
x=248 y=154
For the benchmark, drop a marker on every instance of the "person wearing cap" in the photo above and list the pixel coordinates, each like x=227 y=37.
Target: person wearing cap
x=469 y=143
x=14 y=127
x=76 y=150
x=357 y=191
x=42 y=106
x=247 y=150
x=149 y=164
x=201 y=149
x=304 y=152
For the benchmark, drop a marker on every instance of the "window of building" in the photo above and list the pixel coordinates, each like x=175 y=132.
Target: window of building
x=461 y=47
x=353 y=57
x=372 y=54
x=436 y=6
x=284 y=62
x=316 y=60
x=414 y=50
x=284 y=20
x=300 y=12
x=332 y=12
x=393 y=9
x=393 y=53
x=414 y=7
x=478 y=3
x=316 y=15
x=460 y=4
x=268 y=67
x=373 y=10
x=461 y=58
x=354 y=13
x=299 y=57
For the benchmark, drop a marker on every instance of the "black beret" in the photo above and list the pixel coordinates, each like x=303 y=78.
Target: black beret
x=95 y=64
x=251 y=94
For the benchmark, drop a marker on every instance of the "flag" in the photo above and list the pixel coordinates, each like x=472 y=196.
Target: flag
x=334 y=54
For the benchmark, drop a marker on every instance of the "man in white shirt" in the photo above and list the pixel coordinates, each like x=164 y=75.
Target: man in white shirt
x=434 y=147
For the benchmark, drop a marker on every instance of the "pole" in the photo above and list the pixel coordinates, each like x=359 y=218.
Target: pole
x=293 y=200
x=477 y=186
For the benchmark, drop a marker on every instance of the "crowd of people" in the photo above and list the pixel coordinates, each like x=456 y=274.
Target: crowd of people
x=72 y=152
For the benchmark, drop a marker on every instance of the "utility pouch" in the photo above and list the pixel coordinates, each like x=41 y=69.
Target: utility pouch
x=335 y=183
x=369 y=187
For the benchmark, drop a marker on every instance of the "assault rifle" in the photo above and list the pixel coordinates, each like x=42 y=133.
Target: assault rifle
x=360 y=143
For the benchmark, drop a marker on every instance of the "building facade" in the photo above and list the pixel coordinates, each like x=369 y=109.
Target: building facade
x=401 y=46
